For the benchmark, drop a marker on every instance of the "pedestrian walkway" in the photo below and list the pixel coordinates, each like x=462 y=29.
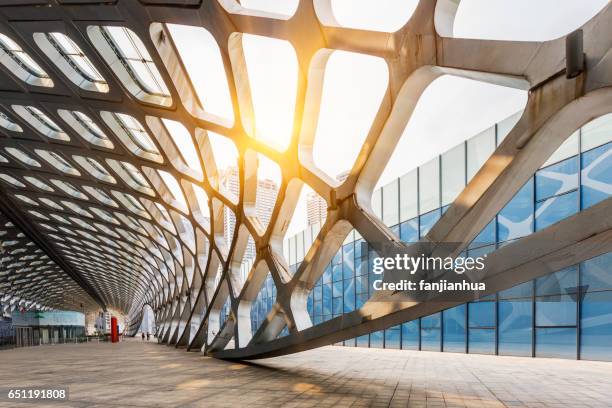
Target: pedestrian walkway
x=145 y=374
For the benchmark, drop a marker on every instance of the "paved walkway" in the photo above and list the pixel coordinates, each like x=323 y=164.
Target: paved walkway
x=146 y=374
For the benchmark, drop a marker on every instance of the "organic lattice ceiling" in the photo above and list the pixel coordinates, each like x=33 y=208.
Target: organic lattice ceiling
x=139 y=215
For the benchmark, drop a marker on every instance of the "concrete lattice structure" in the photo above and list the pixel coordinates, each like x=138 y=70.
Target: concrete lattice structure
x=128 y=238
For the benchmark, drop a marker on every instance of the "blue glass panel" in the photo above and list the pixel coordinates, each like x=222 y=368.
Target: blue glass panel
x=515 y=327
x=428 y=220
x=409 y=230
x=482 y=341
x=337 y=259
x=556 y=342
x=485 y=237
x=515 y=220
x=410 y=335
x=318 y=309
x=454 y=329
x=361 y=300
x=481 y=314
x=349 y=343
x=349 y=295
x=596 y=326
x=327 y=274
x=377 y=339
x=556 y=310
x=336 y=273
x=523 y=290
x=430 y=333
x=557 y=179
x=361 y=284
x=556 y=209
x=559 y=283
x=363 y=341
x=348 y=267
x=392 y=337
x=337 y=306
x=337 y=289
x=327 y=298
x=596 y=175
x=317 y=292
x=597 y=273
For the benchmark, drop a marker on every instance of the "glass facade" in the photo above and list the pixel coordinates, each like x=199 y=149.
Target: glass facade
x=566 y=314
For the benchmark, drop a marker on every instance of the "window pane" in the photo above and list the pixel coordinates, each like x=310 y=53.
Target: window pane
x=482 y=341
x=556 y=209
x=410 y=335
x=556 y=310
x=429 y=186
x=597 y=273
x=453 y=173
x=409 y=230
x=390 y=215
x=430 y=332
x=427 y=221
x=479 y=149
x=482 y=314
x=515 y=220
x=558 y=283
x=515 y=325
x=392 y=337
x=454 y=329
x=556 y=342
x=596 y=175
x=408 y=196
x=557 y=179
x=596 y=326
x=596 y=132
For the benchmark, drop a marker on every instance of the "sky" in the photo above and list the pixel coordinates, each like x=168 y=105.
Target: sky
x=450 y=111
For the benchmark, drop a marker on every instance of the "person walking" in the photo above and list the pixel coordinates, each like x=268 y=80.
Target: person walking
x=148 y=336
x=143 y=336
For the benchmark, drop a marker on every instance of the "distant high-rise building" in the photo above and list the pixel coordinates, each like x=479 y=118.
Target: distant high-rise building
x=316 y=207
x=267 y=191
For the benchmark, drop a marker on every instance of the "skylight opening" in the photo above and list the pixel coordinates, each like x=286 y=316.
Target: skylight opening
x=374 y=15
x=101 y=196
x=58 y=162
x=51 y=203
x=129 y=59
x=206 y=72
x=11 y=180
x=133 y=135
x=69 y=189
x=71 y=60
x=85 y=127
x=183 y=141
x=178 y=198
x=21 y=156
x=94 y=168
x=21 y=64
x=131 y=203
x=282 y=10
x=199 y=206
x=354 y=86
x=272 y=84
x=8 y=124
x=27 y=200
x=131 y=176
x=39 y=184
x=41 y=122
x=223 y=175
x=518 y=20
